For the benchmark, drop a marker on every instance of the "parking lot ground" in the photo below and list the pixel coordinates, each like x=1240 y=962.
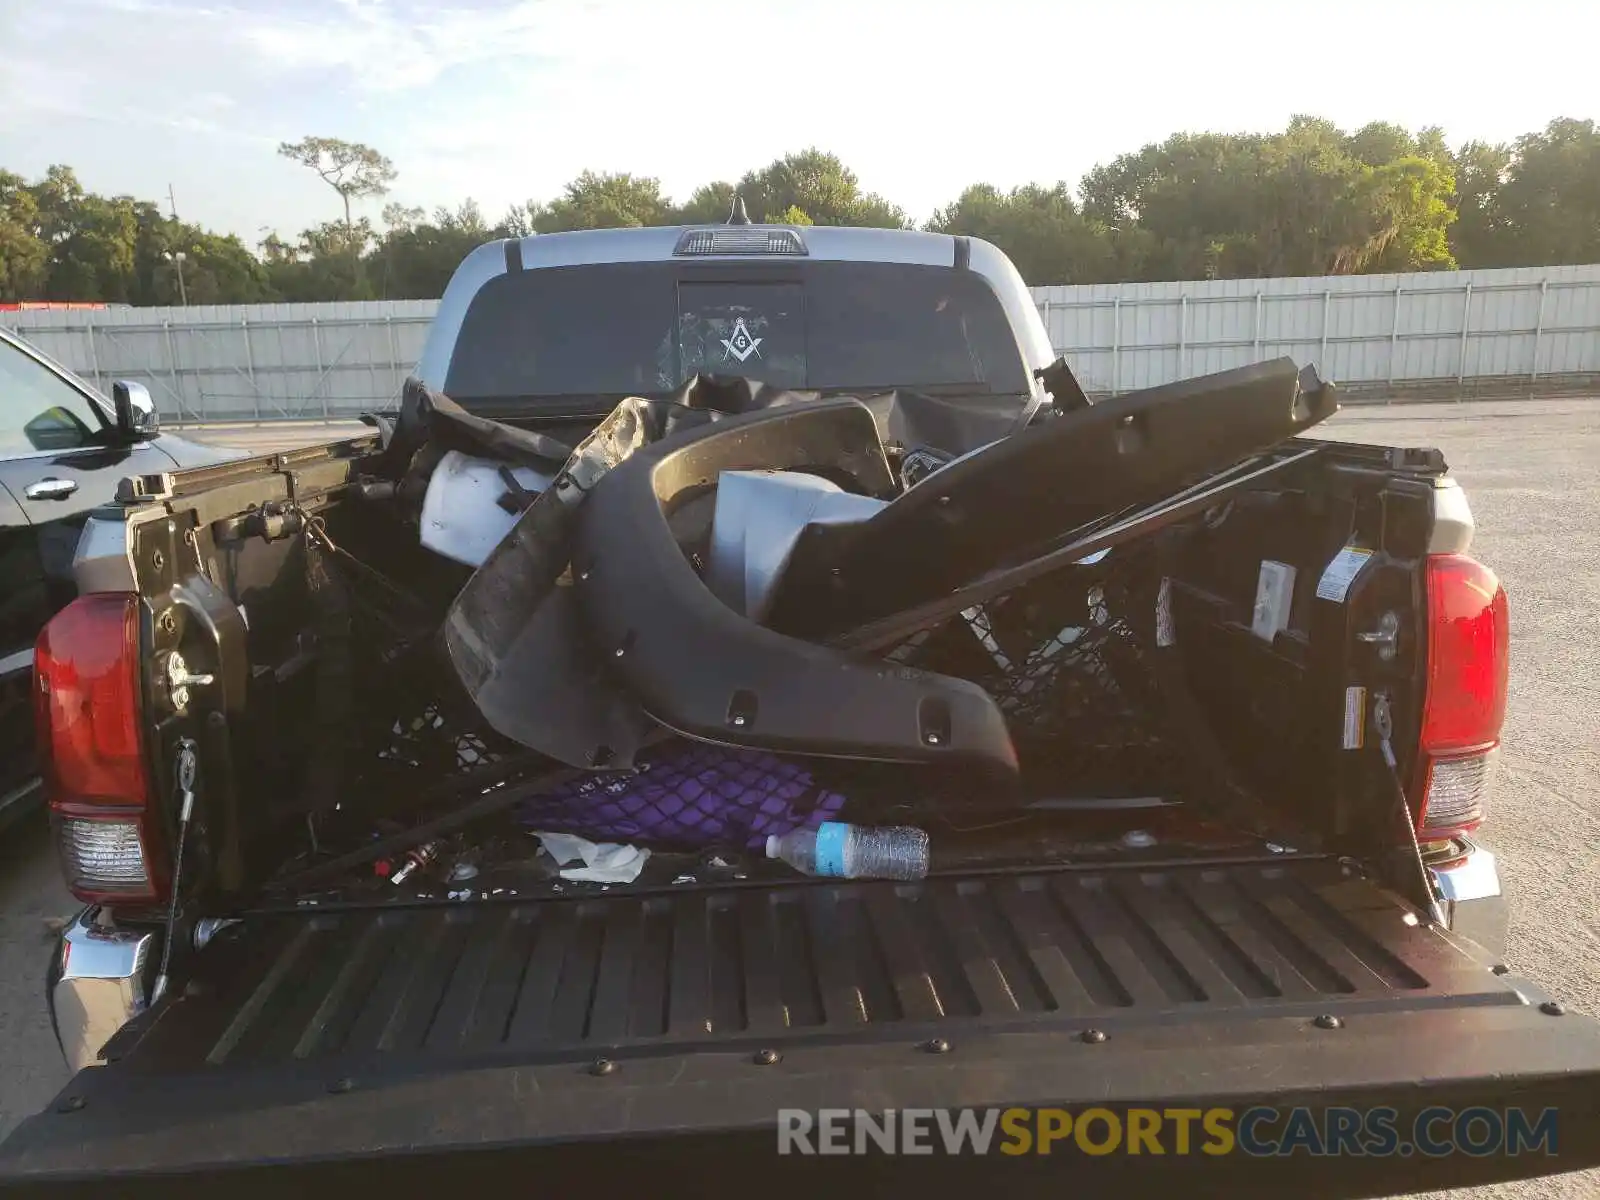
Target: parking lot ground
x=1532 y=473
x=31 y=894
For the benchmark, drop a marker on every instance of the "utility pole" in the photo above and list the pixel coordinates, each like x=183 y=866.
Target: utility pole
x=178 y=258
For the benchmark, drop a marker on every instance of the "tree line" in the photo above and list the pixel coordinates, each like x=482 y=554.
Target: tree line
x=1312 y=199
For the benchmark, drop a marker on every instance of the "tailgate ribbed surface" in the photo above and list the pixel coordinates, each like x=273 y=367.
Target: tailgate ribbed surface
x=694 y=967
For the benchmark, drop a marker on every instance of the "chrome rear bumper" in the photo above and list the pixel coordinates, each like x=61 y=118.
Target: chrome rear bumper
x=1474 y=901
x=97 y=983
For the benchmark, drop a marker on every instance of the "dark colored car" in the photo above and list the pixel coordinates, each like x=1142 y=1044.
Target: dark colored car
x=63 y=447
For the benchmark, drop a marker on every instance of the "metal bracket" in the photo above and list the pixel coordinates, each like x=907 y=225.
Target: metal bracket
x=144 y=487
x=1386 y=637
x=180 y=679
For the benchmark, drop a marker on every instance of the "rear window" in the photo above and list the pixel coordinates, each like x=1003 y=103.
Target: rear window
x=643 y=328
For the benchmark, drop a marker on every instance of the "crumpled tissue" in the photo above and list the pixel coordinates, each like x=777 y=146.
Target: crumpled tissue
x=603 y=862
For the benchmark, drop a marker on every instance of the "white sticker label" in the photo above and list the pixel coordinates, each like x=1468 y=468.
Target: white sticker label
x=1341 y=573
x=1355 y=718
x=1164 y=635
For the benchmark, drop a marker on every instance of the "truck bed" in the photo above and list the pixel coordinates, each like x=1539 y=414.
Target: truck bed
x=685 y=1018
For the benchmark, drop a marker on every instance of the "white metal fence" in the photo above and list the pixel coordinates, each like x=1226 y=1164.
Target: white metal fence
x=1522 y=323
x=248 y=362
x=305 y=361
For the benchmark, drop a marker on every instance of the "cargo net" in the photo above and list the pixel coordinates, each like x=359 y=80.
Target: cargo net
x=689 y=795
x=1069 y=661
x=430 y=742
x=406 y=723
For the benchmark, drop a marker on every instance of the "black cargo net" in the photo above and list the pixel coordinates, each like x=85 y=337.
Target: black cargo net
x=407 y=726
x=1069 y=661
x=1074 y=660
x=428 y=740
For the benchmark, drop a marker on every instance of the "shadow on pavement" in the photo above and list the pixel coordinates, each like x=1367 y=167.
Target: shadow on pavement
x=31 y=898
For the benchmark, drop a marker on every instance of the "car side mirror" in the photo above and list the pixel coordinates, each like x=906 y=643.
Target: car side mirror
x=136 y=411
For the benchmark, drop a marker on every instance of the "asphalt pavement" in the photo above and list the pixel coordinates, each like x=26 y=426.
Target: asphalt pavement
x=1532 y=473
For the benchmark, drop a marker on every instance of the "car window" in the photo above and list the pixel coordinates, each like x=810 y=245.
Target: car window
x=640 y=328
x=568 y=331
x=40 y=411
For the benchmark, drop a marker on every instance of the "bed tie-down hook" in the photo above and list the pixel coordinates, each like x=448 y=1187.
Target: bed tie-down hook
x=317 y=530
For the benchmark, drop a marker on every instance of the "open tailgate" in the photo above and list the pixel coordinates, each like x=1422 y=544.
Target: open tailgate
x=626 y=1041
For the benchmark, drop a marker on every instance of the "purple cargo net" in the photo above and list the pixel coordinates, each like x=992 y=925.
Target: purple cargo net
x=689 y=795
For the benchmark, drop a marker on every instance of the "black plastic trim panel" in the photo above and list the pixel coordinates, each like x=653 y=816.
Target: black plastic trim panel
x=1009 y=500
x=708 y=672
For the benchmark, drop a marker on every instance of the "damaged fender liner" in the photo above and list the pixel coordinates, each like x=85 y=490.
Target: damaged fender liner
x=514 y=639
x=710 y=673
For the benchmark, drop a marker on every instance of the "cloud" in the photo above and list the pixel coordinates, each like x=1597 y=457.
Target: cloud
x=137 y=63
x=390 y=47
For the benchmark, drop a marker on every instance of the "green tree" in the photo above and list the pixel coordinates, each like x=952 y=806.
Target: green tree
x=352 y=169
x=91 y=240
x=416 y=257
x=1185 y=203
x=400 y=217
x=1307 y=200
x=1410 y=211
x=818 y=185
x=598 y=200
x=24 y=255
x=1379 y=142
x=1550 y=202
x=1311 y=200
x=1479 y=237
x=710 y=204
x=217 y=269
x=325 y=264
x=1040 y=228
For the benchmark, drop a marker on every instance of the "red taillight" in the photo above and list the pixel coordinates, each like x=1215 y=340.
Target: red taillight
x=86 y=666
x=91 y=749
x=1464 y=706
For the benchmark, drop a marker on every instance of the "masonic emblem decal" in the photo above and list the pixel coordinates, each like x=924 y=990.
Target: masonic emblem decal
x=739 y=344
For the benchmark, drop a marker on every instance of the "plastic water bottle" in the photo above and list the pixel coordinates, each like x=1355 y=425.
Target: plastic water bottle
x=854 y=851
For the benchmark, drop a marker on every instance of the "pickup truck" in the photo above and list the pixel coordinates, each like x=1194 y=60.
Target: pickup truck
x=1285 y=909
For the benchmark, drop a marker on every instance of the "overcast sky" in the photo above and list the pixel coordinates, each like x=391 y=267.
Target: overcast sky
x=505 y=100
